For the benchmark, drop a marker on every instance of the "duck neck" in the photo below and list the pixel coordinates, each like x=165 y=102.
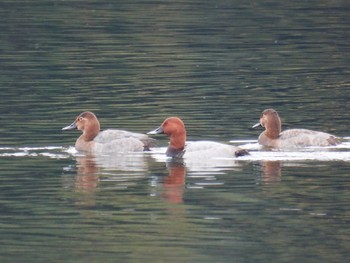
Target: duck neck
x=177 y=144
x=273 y=129
x=90 y=133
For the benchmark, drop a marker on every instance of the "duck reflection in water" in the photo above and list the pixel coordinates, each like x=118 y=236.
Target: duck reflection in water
x=87 y=173
x=91 y=167
x=173 y=184
x=270 y=171
x=86 y=181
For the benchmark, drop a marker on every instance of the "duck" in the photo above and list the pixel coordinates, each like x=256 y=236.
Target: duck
x=274 y=137
x=108 y=141
x=174 y=127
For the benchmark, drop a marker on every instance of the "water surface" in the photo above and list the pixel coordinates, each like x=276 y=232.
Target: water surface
x=217 y=65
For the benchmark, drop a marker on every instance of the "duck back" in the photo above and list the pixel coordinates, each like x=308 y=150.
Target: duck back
x=304 y=138
x=210 y=149
x=132 y=139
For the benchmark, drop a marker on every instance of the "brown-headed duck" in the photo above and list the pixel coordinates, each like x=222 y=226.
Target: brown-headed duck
x=108 y=141
x=274 y=137
x=175 y=129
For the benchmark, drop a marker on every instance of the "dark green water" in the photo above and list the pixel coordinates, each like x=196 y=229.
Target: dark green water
x=217 y=65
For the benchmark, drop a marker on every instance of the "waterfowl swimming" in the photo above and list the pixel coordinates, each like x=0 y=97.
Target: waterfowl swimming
x=175 y=129
x=274 y=137
x=107 y=141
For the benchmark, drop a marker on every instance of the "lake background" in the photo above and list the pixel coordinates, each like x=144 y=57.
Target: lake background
x=217 y=65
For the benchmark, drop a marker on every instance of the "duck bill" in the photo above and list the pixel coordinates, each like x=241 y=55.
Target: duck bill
x=257 y=125
x=159 y=130
x=73 y=126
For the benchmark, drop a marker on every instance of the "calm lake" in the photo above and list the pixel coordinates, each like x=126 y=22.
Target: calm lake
x=217 y=65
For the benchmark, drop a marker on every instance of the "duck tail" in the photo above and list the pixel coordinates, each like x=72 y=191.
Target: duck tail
x=148 y=143
x=241 y=152
x=332 y=140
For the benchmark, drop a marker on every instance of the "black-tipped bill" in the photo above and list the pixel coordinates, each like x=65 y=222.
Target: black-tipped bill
x=73 y=126
x=256 y=125
x=159 y=130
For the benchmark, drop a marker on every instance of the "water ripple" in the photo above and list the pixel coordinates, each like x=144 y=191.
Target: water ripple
x=257 y=153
